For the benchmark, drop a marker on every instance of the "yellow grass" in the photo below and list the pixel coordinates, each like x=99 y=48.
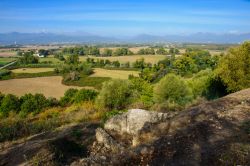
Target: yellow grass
x=7 y=53
x=32 y=70
x=123 y=59
x=121 y=74
x=49 y=86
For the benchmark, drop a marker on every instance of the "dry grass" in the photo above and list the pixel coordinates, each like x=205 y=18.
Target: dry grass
x=32 y=70
x=121 y=74
x=49 y=86
x=123 y=59
x=7 y=53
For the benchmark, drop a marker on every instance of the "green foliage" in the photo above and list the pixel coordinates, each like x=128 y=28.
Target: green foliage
x=10 y=103
x=200 y=82
x=234 y=68
x=216 y=88
x=144 y=91
x=139 y=63
x=28 y=58
x=146 y=51
x=185 y=65
x=115 y=94
x=161 y=51
x=84 y=95
x=4 y=73
x=33 y=104
x=172 y=89
x=122 y=52
x=68 y=97
x=107 y=52
x=85 y=50
x=174 y=51
x=72 y=59
x=85 y=80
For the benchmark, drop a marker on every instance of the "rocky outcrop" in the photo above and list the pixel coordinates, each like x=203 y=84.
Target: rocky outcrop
x=134 y=123
x=213 y=133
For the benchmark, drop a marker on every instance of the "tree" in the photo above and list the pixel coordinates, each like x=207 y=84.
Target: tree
x=84 y=95
x=174 y=51
x=10 y=103
x=115 y=94
x=116 y=64
x=139 y=63
x=185 y=65
x=28 y=58
x=161 y=51
x=107 y=52
x=172 y=89
x=33 y=104
x=72 y=59
x=234 y=68
x=68 y=97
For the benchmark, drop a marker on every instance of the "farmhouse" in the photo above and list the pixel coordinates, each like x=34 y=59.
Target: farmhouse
x=39 y=54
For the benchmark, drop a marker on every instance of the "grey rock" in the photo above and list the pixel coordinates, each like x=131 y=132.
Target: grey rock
x=134 y=121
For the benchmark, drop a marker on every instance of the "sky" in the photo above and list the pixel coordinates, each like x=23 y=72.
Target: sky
x=125 y=17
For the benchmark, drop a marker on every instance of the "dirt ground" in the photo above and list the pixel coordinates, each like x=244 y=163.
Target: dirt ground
x=49 y=86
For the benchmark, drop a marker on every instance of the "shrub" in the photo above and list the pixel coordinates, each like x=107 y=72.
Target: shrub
x=68 y=96
x=172 y=90
x=9 y=103
x=33 y=104
x=200 y=83
x=234 y=68
x=28 y=58
x=84 y=95
x=115 y=94
x=4 y=72
x=144 y=91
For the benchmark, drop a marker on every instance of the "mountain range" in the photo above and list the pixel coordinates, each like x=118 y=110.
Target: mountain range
x=86 y=38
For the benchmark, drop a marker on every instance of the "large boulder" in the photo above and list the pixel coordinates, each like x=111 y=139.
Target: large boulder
x=212 y=133
x=134 y=121
x=133 y=125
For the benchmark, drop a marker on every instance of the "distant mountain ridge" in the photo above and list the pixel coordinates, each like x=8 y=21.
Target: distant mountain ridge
x=53 y=38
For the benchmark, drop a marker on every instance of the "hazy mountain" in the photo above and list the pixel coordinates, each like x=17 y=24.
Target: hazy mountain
x=194 y=38
x=49 y=38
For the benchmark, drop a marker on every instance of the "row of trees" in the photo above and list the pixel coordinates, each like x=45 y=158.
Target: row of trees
x=24 y=105
x=93 y=50
x=34 y=104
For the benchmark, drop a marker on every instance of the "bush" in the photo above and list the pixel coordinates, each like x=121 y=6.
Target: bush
x=200 y=83
x=68 y=97
x=234 y=68
x=144 y=90
x=4 y=72
x=33 y=104
x=9 y=103
x=172 y=90
x=84 y=95
x=115 y=94
x=28 y=58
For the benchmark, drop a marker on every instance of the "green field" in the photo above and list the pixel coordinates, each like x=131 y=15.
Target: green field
x=119 y=74
x=4 y=61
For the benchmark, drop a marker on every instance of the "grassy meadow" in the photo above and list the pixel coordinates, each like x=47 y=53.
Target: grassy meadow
x=119 y=74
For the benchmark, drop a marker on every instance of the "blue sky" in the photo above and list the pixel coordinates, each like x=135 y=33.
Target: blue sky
x=125 y=18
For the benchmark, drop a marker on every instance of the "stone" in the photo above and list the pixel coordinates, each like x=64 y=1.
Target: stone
x=104 y=138
x=134 y=121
